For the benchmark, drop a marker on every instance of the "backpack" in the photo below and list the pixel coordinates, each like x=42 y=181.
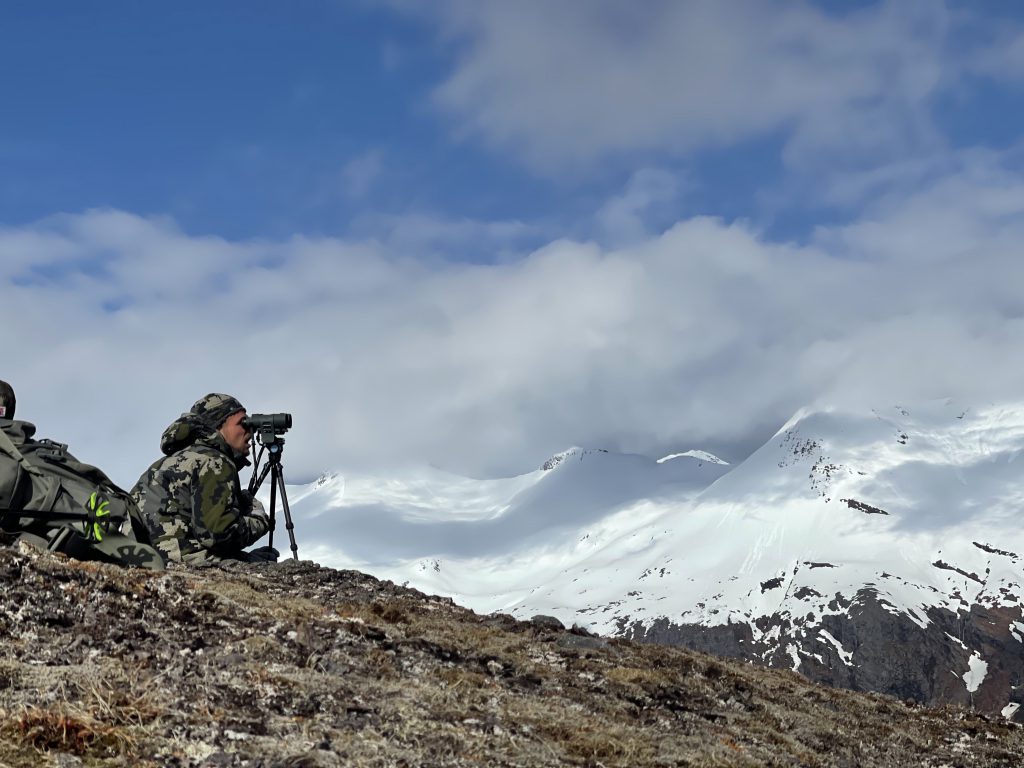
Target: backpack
x=51 y=499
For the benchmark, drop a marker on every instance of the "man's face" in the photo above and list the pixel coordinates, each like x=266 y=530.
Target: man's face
x=235 y=434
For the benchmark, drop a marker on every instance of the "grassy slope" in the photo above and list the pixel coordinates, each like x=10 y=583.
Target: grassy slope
x=295 y=665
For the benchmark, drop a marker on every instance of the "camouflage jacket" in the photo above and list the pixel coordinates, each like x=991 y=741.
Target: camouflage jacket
x=192 y=500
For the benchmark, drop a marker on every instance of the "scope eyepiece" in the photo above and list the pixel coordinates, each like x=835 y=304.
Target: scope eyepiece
x=273 y=423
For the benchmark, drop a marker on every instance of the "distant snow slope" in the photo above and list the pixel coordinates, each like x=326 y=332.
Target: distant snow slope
x=389 y=522
x=915 y=510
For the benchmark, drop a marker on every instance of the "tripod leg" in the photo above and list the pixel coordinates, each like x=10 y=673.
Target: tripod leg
x=279 y=472
x=273 y=502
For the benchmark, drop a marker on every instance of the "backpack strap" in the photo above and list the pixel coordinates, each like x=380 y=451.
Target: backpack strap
x=96 y=513
x=8 y=447
x=40 y=514
x=51 y=451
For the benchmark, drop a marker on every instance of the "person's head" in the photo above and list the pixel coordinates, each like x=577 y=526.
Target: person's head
x=236 y=433
x=224 y=414
x=7 y=401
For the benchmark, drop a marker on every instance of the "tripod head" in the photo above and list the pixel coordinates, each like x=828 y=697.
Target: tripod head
x=267 y=431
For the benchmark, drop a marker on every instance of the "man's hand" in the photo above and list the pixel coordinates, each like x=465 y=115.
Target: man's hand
x=257 y=520
x=252 y=505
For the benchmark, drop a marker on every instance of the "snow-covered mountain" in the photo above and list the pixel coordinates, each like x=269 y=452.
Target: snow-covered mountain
x=880 y=550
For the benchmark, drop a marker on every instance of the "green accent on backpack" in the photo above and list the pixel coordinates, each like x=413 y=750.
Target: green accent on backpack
x=99 y=507
x=51 y=498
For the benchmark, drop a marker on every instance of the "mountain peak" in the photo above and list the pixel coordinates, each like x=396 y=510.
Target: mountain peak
x=569 y=453
x=699 y=455
x=847 y=528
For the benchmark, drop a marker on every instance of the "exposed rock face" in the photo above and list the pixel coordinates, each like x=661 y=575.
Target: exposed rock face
x=296 y=665
x=871 y=648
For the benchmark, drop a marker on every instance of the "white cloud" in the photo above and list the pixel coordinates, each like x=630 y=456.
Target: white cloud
x=1004 y=60
x=571 y=82
x=362 y=172
x=623 y=219
x=687 y=338
x=427 y=236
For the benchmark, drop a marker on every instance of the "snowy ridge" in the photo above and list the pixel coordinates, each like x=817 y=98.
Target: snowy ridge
x=701 y=455
x=905 y=510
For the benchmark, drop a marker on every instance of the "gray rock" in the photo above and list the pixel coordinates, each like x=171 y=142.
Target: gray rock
x=546 y=622
x=582 y=642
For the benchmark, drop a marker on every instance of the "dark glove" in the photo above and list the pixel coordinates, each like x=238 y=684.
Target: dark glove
x=262 y=555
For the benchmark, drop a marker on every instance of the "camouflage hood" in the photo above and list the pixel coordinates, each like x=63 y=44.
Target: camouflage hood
x=190 y=429
x=215 y=408
x=201 y=422
x=183 y=432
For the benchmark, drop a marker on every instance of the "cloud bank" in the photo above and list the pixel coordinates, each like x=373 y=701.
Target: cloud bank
x=700 y=336
x=562 y=84
x=484 y=346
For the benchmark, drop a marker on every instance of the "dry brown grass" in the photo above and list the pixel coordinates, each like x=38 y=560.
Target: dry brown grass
x=67 y=729
x=101 y=711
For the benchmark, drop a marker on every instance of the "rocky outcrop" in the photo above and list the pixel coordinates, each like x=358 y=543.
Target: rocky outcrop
x=282 y=666
x=973 y=658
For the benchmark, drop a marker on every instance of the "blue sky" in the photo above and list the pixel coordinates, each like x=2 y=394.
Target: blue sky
x=485 y=231
x=268 y=119
x=236 y=118
x=246 y=119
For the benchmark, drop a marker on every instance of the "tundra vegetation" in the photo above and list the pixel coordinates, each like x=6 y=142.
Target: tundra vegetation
x=302 y=666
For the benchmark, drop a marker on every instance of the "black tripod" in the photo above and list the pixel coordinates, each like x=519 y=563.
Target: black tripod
x=273 y=445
